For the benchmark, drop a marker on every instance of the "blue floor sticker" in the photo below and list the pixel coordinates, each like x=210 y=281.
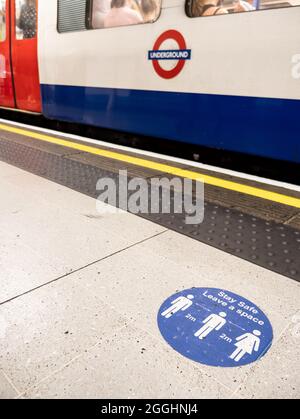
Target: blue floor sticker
x=215 y=327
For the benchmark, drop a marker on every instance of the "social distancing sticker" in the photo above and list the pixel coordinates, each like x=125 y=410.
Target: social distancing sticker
x=215 y=327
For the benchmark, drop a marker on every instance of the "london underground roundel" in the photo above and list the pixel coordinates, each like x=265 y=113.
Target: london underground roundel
x=179 y=55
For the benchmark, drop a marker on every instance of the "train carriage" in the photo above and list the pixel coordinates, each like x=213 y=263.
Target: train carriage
x=227 y=80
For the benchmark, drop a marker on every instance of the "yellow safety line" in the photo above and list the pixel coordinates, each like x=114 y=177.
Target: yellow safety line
x=210 y=180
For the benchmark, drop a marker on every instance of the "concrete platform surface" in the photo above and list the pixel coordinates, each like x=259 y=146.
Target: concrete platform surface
x=80 y=293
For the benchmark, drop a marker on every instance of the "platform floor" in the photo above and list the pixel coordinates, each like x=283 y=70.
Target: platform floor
x=256 y=219
x=80 y=293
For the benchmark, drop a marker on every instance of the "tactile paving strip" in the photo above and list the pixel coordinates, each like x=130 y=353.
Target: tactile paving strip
x=265 y=243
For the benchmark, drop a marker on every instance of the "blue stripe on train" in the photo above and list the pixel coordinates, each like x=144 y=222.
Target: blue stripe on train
x=260 y=126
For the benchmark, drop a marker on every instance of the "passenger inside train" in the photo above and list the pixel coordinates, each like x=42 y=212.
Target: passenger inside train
x=198 y=8
x=2 y=21
x=26 y=19
x=100 y=11
x=112 y=13
x=208 y=8
x=150 y=10
x=122 y=13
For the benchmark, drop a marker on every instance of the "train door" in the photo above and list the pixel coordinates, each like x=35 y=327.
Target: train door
x=24 y=54
x=6 y=83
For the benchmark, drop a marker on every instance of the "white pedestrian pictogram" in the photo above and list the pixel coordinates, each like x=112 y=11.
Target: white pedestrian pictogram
x=211 y=323
x=181 y=303
x=246 y=344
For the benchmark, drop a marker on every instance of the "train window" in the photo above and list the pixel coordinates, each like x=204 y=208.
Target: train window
x=26 y=19
x=2 y=20
x=198 y=8
x=113 y=13
x=72 y=15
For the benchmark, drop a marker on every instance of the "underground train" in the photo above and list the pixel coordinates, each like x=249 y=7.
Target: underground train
x=220 y=75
